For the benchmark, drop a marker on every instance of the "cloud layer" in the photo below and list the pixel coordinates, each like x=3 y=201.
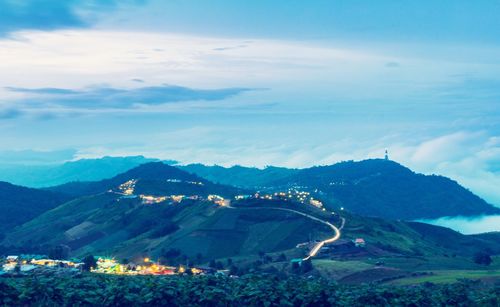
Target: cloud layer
x=466 y=225
x=109 y=97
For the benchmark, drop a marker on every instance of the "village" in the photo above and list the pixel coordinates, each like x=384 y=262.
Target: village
x=127 y=191
x=41 y=265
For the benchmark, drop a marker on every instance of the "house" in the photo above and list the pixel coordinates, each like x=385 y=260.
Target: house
x=12 y=258
x=359 y=242
x=203 y=270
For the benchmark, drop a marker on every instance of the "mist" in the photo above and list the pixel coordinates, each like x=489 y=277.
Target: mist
x=468 y=225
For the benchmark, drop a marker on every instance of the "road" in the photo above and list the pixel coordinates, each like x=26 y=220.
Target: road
x=314 y=251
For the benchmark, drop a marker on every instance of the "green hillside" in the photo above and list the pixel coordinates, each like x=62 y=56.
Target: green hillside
x=109 y=224
x=379 y=188
x=105 y=224
x=20 y=204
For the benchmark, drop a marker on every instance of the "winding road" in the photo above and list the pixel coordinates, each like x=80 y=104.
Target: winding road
x=314 y=251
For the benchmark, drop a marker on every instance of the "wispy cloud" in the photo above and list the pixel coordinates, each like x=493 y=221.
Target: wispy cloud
x=110 y=97
x=230 y=48
x=9 y=113
x=50 y=15
x=392 y=65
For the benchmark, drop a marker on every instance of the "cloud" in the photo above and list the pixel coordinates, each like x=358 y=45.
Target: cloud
x=18 y=15
x=230 y=48
x=392 y=65
x=466 y=225
x=9 y=113
x=110 y=97
x=471 y=158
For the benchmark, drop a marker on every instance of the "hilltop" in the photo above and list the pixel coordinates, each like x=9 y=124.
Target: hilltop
x=379 y=188
x=152 y=172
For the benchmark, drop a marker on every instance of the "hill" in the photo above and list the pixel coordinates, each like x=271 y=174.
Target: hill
x=127 y=227
x=20 y=204
x=46 y=175
x=124 y=227
x=387 y=189
x=378 y=188
x=153 y=172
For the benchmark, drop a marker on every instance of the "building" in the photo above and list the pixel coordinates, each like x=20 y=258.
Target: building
x=359 y=242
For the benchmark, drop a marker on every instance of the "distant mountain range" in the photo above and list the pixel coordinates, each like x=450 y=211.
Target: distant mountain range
x=39 y=175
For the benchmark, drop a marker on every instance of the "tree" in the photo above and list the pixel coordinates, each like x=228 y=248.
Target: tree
x=199 y=258
x=89 y=262
x=59 y=252
x=219 y=265
x=482 y=258
x=212 y=263
x=234 y=270
x=306 y=266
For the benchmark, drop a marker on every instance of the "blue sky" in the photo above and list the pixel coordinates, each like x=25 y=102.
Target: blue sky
x=292 y=83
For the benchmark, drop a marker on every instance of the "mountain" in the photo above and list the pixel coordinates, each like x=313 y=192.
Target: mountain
x=20 y=204
x=387 y=189
x=152 y=172
x=378 y=188
x=52 y=174
x=247 y=177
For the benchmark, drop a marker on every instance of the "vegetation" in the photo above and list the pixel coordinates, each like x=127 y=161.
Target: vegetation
x=482 y=258
x=374 y=187
x=19 y=204
x=251 y=290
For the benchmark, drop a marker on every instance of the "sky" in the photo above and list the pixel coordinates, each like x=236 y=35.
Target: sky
x=284 y=82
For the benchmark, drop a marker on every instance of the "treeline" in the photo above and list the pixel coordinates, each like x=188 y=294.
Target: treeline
x=250 y=290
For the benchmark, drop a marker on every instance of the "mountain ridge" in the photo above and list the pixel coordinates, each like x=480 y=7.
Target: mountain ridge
x=379 y=188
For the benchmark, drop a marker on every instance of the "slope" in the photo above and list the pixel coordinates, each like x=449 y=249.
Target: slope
x=20 y=204
x=387 y=189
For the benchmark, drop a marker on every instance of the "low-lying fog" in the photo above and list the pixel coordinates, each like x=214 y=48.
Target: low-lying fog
x=468 y=225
